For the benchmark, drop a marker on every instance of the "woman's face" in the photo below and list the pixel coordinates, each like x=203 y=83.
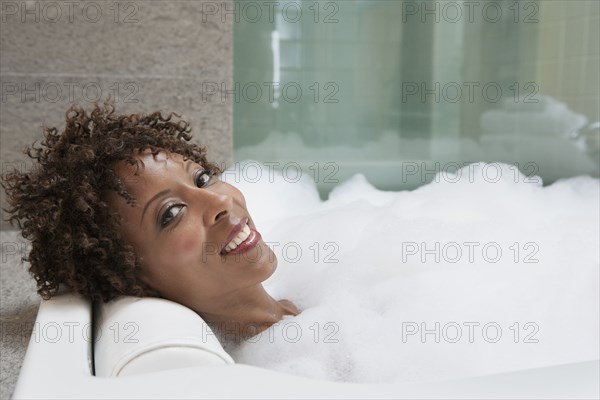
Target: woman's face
x=180 y=226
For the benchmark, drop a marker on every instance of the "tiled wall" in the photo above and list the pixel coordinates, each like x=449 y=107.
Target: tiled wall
x=568 y=62
x=376 y=48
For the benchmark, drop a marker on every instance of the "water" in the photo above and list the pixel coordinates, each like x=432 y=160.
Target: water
x=478 y=272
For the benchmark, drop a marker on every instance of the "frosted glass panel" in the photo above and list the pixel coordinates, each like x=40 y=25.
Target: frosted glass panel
x=396 y=90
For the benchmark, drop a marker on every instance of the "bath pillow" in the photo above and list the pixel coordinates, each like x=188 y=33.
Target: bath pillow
x=138 y=335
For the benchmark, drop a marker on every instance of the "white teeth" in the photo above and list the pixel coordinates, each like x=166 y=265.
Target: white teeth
x=240 y=237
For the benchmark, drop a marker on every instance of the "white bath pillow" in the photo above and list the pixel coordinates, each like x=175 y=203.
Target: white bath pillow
x=139 y=335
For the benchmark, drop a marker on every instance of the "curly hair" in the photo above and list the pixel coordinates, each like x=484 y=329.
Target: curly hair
x=60 y=205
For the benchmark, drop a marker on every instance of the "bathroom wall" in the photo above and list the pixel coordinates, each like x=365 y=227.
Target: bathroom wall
x=420 y=85
x=543 y=50
x=147 y=55
x=567 y=66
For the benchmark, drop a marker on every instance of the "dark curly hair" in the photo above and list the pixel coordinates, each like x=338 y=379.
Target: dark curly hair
x=60 y=205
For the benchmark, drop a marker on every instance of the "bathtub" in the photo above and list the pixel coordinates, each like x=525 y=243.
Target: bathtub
x=170 y=357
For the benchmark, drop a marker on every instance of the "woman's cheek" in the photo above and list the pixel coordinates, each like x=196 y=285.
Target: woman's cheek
x=187 y=249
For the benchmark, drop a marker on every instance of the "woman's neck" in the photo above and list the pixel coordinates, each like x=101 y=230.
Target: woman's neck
x=249 y=313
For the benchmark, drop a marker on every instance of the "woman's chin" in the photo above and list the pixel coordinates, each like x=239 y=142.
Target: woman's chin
x=270 y=263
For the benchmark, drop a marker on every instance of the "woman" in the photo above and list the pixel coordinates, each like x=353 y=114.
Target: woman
x=124 y=205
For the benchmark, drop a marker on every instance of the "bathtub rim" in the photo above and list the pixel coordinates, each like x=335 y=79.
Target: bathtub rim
x=71 y=375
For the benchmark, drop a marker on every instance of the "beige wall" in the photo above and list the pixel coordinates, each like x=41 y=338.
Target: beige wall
x=149 y=55
x=568 y=63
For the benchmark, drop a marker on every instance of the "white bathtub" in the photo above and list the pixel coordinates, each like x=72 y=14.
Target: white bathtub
x=60 y=364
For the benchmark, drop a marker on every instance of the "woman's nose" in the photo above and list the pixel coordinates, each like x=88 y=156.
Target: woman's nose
x=219 y=206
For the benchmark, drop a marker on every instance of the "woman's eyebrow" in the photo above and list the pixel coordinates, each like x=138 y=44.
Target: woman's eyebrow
x=156 y=196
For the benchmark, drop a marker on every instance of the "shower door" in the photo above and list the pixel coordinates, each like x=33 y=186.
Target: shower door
x=400 y=90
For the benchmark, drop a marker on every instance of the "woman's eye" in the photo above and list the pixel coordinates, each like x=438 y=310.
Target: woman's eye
x=203 y=178
x=170 y=215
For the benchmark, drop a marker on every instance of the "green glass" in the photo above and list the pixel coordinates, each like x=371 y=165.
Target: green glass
x=398 y=90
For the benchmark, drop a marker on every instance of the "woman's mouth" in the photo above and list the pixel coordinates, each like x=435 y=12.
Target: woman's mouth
x=246 y=239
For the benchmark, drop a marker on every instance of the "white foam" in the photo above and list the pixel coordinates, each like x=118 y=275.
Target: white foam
x=356 y=310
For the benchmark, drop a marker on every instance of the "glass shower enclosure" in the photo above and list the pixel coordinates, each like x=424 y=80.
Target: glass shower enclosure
x=399 y=90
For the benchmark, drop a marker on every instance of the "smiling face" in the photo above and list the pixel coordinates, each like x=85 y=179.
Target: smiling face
x=180 y=226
